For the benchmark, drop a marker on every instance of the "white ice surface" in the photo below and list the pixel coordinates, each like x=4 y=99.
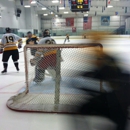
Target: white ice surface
x=12 y=82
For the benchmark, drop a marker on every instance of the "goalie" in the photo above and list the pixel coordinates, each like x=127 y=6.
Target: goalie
x=44 y=59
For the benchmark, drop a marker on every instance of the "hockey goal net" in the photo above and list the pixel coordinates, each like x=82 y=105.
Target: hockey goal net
x=52 y=80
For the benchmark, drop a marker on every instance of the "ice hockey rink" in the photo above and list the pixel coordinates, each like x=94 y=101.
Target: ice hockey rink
x=60 y=17
x=13 y=83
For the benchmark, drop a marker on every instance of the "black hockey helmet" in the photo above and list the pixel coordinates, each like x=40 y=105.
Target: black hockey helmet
x=8 y=29
x=29 y=32
x=46 y=30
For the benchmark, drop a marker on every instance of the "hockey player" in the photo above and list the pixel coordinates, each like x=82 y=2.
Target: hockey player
x=67 y=38
x=31 y=39
x=112 y=104
x=46 y=33
x=44 y=59
x=8 y=42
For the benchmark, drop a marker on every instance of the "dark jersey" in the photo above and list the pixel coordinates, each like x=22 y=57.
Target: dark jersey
x=46 y=35
x=33 y=38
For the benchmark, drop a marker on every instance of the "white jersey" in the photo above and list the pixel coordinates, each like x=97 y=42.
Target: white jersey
x=47 y=40
x=9 y=41
x=44 y=52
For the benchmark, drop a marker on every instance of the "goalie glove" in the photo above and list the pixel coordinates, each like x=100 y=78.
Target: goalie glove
x=33 y=62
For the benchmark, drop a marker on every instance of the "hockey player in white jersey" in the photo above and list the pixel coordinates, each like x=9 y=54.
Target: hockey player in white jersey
x=8 y=42
x=44 y=59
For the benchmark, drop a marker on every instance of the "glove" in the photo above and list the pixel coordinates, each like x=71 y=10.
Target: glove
x=32 y=62
x=1 y=51
x=19 y=46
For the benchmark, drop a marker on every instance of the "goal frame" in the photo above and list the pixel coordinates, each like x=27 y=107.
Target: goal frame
x=57 y=83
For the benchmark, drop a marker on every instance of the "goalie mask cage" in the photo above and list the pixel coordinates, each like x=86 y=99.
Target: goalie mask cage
x=52 y=84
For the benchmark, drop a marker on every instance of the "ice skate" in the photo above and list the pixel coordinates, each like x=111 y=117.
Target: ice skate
x=37 y=80
x=4 y=71
x=17 y=69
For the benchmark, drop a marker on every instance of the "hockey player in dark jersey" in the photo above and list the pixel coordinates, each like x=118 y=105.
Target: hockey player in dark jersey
x=31 y=39
x=46 y=33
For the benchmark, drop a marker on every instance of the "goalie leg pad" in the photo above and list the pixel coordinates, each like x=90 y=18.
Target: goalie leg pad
x=33 y=51
x=39 y=74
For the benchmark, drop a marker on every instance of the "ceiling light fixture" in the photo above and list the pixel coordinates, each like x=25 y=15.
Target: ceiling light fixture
x=33 y=2
x=43 y=8
x=45 y=14
x=55 y=1
x=56 y=15
x=51 y=12
x=109 y=6
x=27 y=6
x=85 y=14
x=61 y=7
x=66 y=12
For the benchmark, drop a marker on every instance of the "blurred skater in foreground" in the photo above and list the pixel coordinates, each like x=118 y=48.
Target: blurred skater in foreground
x=114 y=104
x=32 y=40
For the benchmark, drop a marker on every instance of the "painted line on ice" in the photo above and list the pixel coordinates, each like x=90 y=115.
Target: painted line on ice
x=7 y=92
x=12 y=84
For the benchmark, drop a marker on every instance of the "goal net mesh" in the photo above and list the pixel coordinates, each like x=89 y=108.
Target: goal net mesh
x=53 y=78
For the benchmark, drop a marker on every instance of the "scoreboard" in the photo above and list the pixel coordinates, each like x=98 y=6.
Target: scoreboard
x=79 y=5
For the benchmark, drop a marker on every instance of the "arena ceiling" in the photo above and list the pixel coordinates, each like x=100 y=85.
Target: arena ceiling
x=98 y=8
